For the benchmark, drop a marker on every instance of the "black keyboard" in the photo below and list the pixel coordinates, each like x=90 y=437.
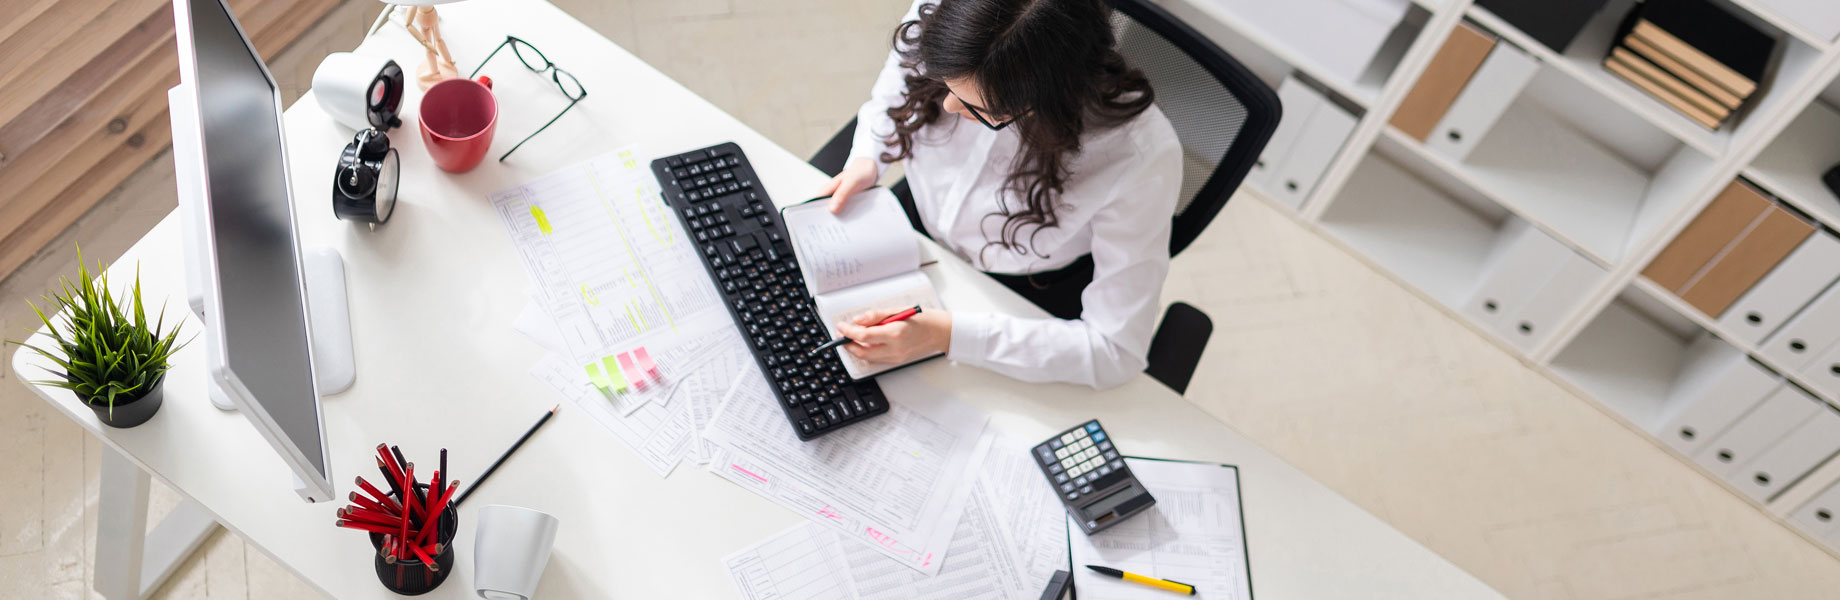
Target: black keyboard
x=744 y=247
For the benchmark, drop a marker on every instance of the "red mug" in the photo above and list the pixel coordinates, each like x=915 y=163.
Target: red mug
x=458 y=117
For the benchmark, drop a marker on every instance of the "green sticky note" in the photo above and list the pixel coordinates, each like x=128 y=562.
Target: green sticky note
x=599 y=379
x=613 y=374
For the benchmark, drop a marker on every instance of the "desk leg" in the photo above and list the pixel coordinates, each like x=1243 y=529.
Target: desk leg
x=122 y=540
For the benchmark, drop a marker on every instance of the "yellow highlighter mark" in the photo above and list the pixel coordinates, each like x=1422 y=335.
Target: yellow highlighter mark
x=626 y=159
x=587 y=293
x=536 y=212
x=649 y=286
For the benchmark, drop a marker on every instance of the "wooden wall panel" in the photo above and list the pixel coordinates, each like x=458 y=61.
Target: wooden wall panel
x=85 y=106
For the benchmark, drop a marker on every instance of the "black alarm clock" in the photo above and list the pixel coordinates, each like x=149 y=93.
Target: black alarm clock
x=364 y=186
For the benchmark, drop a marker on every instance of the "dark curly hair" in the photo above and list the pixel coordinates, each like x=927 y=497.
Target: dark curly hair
x=1049 y=64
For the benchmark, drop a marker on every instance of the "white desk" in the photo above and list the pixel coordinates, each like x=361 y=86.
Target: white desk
x=433 y=295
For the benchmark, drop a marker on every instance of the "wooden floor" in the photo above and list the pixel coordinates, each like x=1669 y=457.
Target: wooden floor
x=1330 y=365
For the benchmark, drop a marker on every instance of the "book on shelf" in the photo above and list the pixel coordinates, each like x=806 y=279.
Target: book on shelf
x=1691 y=55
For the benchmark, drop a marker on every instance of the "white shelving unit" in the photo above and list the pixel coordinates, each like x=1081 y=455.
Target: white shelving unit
x=1586 y=158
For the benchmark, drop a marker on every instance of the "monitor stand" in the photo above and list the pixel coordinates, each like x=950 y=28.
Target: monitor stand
x=334 y=369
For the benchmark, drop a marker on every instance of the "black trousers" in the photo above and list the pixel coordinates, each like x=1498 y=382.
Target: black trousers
x=1057 y=291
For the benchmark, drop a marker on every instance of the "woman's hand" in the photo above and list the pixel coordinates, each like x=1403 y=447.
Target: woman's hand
x=857 y=176
x=924 y=334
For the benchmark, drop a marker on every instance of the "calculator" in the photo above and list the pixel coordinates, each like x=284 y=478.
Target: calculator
x=1090 y=477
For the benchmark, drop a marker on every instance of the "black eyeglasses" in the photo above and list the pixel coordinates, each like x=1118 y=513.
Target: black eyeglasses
x=979 y=114
x=525 y=52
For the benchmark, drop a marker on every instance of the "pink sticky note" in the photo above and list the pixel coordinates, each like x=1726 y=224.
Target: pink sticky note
x=632 y=374
x=645 y=362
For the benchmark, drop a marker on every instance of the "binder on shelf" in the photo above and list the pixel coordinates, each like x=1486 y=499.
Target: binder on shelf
x=1819 y=517
x=1311 y=152
x=1523 y=259
x=1551 y=22
x=1556 y=299
x=1797 y=453
x=1733 y=212
x=1484 y=98
x=1791 y=285
x=1808 y=335
x=1823 y=375
x=1756 y=431
x=1299 y=101
x=1443 y=79
x=1706 y=38
x=1746 y=262
x=1717 y=384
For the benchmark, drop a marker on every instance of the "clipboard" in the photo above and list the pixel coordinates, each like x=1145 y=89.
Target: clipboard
x=1245 y=547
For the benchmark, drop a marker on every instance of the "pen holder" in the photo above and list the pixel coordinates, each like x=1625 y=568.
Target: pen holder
x=413 y=577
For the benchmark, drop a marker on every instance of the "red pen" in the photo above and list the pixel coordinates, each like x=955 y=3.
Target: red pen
x=900 y=316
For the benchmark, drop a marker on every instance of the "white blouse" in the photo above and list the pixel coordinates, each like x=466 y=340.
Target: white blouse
x=1117 y=205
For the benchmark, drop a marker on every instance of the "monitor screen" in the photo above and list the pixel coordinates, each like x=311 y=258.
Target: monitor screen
x=262 y=313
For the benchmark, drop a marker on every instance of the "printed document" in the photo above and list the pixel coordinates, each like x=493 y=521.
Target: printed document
x=1010 y=541
x=896 y=483
x=1194 y=535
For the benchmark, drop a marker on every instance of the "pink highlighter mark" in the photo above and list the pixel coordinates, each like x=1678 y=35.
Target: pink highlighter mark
x=826 y=512
x=749 y=473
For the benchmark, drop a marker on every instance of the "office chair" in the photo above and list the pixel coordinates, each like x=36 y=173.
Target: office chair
x=1223 y=116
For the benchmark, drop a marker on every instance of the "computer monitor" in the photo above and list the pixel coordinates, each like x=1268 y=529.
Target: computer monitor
x=244 y=262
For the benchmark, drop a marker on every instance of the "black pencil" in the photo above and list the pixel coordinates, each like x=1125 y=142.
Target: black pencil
x=501 y=458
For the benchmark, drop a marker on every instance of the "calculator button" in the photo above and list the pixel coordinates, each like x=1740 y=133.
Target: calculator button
x=1093 y=465
x=1079 y=480
x=1105 y=446
x=1067 y=438
x=1055 y=443
x=1073 y=495
x=1098 y=436
x=1093 y=426
x=1084 y=444
x=1103 y=471
x=1066 y=462
x=1111 y=455
x=1089 y=453
x=1061 y=453
x=1060 y=478
x=1055 y=468
x=1045 y=454
x=1086 y=490
x=1066 y=487
x=1117 y=465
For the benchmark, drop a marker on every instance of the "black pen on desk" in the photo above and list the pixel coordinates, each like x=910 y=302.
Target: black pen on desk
x=900 y=316
x=501 y=458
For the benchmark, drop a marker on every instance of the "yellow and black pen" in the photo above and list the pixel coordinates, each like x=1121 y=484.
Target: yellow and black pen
x=1180 y=588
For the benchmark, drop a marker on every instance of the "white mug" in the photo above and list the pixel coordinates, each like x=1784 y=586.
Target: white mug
x=511 y=550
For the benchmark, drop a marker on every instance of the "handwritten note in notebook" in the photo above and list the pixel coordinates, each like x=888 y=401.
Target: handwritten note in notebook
x=858 y=260
x=896 y=483
x=1194 y=534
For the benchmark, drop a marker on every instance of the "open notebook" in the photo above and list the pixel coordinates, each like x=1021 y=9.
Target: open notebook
x=864 y=258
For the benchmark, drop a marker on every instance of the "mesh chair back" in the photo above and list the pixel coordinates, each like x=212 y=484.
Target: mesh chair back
x=1221 y=112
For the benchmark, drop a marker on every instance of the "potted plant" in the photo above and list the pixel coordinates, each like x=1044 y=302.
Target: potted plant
x=112 y=359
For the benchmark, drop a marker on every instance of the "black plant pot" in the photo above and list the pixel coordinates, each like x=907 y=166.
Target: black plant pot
x=133 y=410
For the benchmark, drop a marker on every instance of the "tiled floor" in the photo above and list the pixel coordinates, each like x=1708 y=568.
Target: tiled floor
x=1330 y=365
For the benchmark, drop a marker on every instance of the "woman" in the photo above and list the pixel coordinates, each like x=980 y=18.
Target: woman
x=1054 y=172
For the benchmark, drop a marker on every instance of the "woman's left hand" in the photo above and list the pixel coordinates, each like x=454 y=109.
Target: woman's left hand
x=925 y=334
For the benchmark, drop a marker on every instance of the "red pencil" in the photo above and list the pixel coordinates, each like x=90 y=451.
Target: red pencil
x=426 y=560
x=363 y=501
x=408 y=498
x=368 y=516
x=434 y=518
x=378 y=495
x=364 y=527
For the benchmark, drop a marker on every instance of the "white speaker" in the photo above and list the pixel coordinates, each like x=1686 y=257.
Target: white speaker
x=360 y=92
